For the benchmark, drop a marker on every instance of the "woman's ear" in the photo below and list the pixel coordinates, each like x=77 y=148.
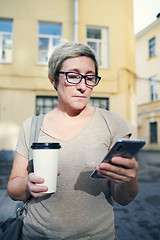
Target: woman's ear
x=50 y=78
x=52 y=81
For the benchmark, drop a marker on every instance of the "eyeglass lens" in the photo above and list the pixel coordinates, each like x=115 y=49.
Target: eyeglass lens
x=75 y=78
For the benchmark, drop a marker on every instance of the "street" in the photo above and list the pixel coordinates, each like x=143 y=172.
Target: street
x=138 y=220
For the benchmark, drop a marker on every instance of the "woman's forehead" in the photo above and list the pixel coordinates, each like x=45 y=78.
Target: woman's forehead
x=81 y=61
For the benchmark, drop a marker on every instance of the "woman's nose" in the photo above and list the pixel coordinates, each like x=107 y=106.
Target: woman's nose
x=82 y=85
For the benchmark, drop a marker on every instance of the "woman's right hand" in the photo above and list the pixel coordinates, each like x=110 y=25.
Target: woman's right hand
x=33 y=186
x=21 y=184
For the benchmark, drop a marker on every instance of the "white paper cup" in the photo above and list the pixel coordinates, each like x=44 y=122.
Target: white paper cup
x=45 y=162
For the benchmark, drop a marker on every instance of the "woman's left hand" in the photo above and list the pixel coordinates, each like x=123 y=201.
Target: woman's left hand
x=120 y=170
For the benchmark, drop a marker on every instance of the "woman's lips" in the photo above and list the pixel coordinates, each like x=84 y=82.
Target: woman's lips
x=80 y=96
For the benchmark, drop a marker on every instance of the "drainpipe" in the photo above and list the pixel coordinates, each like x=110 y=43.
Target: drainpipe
x=75 y=20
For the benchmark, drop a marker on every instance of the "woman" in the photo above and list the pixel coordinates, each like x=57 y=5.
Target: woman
x=82 y=207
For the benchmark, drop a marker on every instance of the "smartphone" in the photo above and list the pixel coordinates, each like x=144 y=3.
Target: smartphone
x=126 y=148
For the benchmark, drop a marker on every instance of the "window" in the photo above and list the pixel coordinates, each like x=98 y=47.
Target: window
x=98 y=40
x=153 y=132
x=6 y=26
x=45 y=104
x=154 y=88
x=99 y=102
x=49 y=35
x=152 y=47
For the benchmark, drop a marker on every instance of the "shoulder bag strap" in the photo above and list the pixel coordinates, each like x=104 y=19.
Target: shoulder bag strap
x=34 y=134
x=36 y=123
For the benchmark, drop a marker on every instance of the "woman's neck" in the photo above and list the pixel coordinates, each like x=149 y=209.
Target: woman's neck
x=87 y=110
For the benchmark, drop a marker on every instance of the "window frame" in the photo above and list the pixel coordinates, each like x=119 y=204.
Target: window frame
x=153 y=132
x=46 y=36
x=99 y=99
x=44 y=97
x=98 y=42
x=153 y=88
x=2 y=33
x=152 y=47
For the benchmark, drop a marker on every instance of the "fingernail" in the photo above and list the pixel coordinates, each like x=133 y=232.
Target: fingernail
x=41 y=180
x=114 y=159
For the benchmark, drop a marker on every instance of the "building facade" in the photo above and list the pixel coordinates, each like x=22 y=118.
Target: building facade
x=29 y=30
x=148 y=84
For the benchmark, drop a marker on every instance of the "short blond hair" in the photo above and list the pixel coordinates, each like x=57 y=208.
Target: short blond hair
x=67 y=50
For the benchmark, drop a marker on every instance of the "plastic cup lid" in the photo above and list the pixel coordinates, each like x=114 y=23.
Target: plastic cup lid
x=45 y=146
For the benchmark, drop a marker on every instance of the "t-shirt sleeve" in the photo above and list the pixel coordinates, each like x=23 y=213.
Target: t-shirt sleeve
x=119 y=128
x=22 y=146
x=117 y=125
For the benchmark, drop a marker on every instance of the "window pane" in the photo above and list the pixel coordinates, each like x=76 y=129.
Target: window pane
x=45 y=104
x=55 y=41
x=43 y=43
x=92 y=45
x=6 y=48
x=43 y=49
x=39 y=101
x=152 y=47
x=5 y=40
x=154 y=88
x=104 y=51
x=94 y=33
x=48 y=102
x=49 y=37
x=50 y=29
x=55 y=102
x=5 y=25
x=100 y=102
x=153 y=132
x=97 y=39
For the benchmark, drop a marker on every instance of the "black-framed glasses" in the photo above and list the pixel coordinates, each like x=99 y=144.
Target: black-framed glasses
x=75 y=78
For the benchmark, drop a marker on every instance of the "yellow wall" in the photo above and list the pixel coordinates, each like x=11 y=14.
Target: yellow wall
x=147 y=113
x=118 y=83
x=146 y=68
x=23 y=79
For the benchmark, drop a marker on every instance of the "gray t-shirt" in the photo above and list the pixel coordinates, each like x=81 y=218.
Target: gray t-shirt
x=81 y=208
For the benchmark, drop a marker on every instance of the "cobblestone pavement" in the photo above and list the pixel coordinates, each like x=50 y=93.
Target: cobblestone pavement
x=139 y=220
